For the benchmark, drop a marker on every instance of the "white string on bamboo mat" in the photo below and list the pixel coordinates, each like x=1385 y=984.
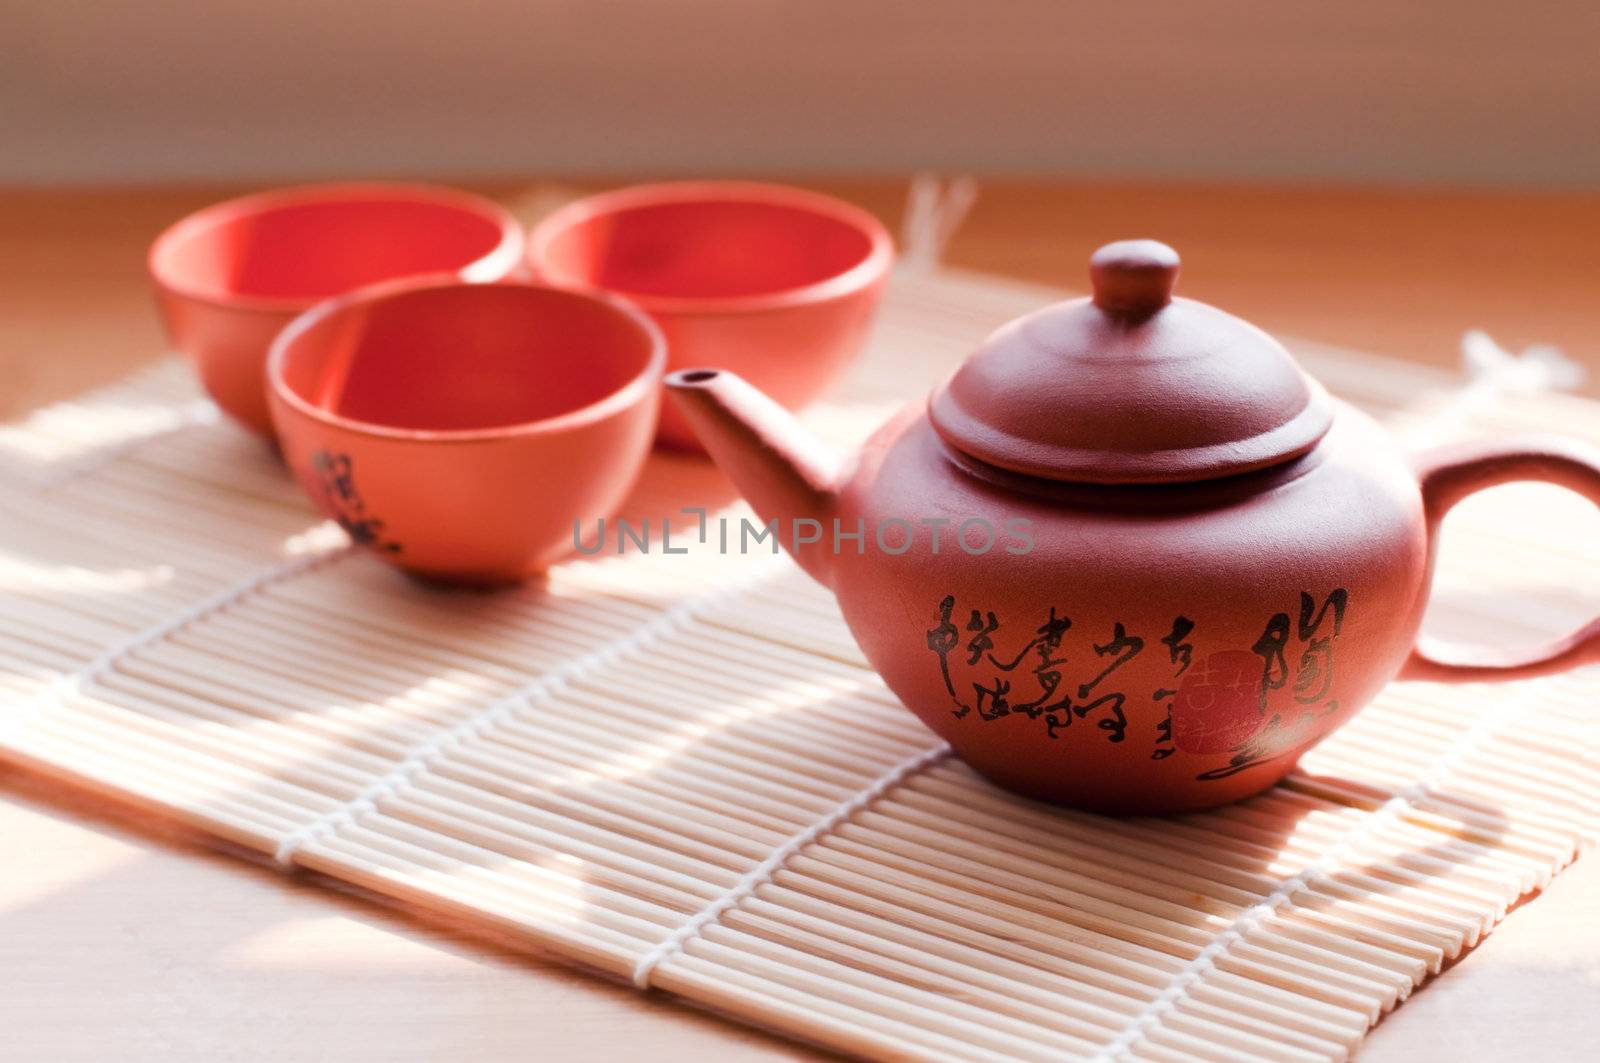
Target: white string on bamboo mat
x=1493 y=373
x=1318 y=870
x=762 y=873
x=66 y=686
x=934 y=211
x=501 y=710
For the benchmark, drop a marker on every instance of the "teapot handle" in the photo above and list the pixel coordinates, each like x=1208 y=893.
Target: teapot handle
x=1449 y=474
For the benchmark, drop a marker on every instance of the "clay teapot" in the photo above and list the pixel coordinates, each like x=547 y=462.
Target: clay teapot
x=1194 y=562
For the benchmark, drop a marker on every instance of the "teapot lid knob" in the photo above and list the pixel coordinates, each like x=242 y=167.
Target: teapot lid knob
x=1133 y=278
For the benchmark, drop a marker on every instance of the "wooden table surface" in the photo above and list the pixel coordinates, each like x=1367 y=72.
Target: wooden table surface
x=127 y=939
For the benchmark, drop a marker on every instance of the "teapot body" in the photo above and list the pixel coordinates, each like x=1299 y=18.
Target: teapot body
x=1149 y=648
x=1152 y=601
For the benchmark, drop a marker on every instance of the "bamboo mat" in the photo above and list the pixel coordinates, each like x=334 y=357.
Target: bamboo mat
x=677 y=769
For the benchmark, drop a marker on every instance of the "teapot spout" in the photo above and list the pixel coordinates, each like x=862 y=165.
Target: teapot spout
x=786 y=474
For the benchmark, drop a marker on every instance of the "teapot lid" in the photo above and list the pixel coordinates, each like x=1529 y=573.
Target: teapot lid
x=1131 y=386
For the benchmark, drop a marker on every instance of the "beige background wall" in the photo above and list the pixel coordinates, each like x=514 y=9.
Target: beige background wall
x=1460 y=91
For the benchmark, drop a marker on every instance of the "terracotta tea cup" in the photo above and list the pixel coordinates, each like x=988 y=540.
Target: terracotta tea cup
x=460 y=430
x=228 y=278
x=776 y=283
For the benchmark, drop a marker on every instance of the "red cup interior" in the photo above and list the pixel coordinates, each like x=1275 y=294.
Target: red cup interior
x=464 y=357
x=703 y=248
x=285 y=247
